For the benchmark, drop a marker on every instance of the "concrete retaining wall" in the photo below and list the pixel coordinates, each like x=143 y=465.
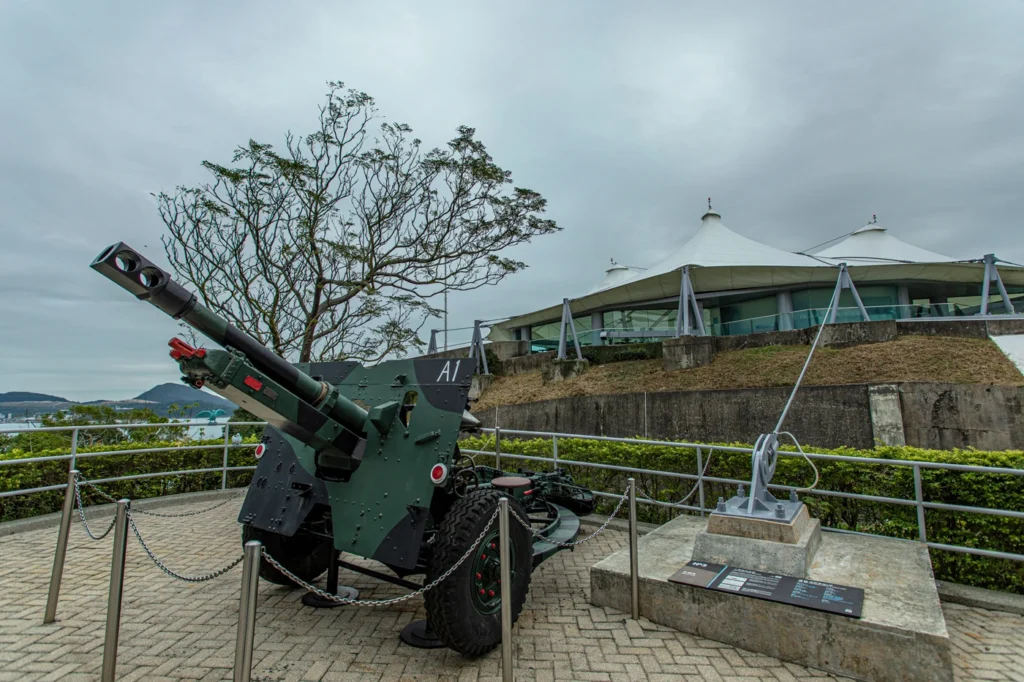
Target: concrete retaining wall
x=687 y=352
x=825 y=416
x=528 y=363
x=945 y=416
x=940 y=416
x=973 y=329
x=794 y=337
x=1004 y=327
x=602 y=355
x=858 y=333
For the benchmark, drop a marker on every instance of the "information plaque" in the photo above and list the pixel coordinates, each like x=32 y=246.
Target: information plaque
x=809 y=594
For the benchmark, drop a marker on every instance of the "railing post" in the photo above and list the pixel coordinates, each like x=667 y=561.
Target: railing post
x=506 y=590
x=247 y=610
x=74 y=449
x=62 y=548
x=554 y=451
x=700 y=480
x=922 y=533
x=634 y=573
x=224 y=467
x=116 y=589
x=497 y=448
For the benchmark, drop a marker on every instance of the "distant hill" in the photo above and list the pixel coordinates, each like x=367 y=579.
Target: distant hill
x=22 y=404
x=184 y=395
x=27 y=397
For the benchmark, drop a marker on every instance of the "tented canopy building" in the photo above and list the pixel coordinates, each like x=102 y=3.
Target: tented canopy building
x=742 y=286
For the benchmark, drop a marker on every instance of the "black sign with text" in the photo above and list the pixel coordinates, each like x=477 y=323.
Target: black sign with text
x=809 y=594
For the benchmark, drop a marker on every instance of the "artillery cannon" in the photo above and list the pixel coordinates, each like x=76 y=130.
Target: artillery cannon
x=366 y=461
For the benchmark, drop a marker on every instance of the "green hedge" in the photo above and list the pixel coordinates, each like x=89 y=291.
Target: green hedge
x=951 y=487
x=966 y=529
x=41 y=474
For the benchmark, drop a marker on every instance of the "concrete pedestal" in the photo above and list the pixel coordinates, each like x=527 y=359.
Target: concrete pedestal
x=901 y=636
x=787 y=558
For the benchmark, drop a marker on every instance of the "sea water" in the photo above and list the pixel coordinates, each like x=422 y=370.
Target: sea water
x=200 y=429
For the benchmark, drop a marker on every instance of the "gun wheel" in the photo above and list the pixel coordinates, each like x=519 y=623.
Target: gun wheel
x=465 y=609
x=307 y=556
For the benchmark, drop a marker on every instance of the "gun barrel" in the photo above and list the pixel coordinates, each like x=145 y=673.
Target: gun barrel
x=131 y=271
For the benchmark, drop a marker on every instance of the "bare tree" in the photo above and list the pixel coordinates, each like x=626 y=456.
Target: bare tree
x=335 y=247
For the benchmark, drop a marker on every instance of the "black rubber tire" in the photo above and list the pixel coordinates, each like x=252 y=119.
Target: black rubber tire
x=307 y=556
x=452 y=615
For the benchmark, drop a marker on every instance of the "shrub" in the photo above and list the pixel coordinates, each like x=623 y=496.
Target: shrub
x=950 y=487
x=55 y=472
x=494 y=365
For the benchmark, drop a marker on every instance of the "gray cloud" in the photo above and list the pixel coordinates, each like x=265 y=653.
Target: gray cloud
x=800 y=119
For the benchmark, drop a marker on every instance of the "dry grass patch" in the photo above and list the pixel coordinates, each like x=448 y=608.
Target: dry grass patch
x=916 y=358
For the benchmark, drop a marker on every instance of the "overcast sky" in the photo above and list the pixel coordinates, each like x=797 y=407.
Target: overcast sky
x=800 y=119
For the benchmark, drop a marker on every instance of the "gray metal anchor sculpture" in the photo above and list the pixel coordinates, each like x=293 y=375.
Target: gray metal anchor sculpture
x=761 y=503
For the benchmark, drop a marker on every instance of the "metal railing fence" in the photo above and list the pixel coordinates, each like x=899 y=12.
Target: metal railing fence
x=700 y=478
x=73 y=455
x=797 y=319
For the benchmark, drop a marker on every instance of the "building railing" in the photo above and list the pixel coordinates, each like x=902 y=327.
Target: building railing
x=700 y=479
x=73 y=455
x=798 y=319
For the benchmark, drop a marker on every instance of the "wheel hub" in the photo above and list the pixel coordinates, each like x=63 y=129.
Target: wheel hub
x=485 y=582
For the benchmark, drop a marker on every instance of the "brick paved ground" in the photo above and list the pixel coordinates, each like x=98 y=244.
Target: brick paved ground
x=171 y=630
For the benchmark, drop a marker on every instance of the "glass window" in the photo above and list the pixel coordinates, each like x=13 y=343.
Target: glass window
x=880 y=301
x=544 y=337
x=640 y=319
x=749 y=317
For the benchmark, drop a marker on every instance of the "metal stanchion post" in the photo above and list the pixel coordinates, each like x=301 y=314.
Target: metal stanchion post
x=74 y=448
x=247 y=610
x=634 y=573
x=700 y=479
x=224 y=465
x=116 y=588
x=506 y=590
x=62 y=548
x=497 y=448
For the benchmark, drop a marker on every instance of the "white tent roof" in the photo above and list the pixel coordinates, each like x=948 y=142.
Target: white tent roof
x=708 y=279
x=873 y=244
x=715 y=245
x=726 y=261
x=616 y=275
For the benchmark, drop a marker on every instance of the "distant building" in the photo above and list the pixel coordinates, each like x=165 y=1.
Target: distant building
x=742 y=286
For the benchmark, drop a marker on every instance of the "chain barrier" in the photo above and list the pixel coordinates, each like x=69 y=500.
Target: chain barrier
x=79 y=480
x=528 y=526
x=163 y=567
x=81 y=513
x=169 y=515
x=294 y=578
x=383 y=602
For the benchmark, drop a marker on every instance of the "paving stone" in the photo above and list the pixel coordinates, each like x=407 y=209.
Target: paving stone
x=172 y=630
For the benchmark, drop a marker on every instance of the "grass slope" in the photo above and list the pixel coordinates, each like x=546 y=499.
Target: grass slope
x=922 y=358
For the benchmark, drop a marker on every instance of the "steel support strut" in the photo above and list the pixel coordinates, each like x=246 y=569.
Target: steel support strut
x=688 y=305
x=764 y=456
x=562 y=336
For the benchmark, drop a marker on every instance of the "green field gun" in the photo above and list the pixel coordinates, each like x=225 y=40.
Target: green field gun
x=365 y=461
